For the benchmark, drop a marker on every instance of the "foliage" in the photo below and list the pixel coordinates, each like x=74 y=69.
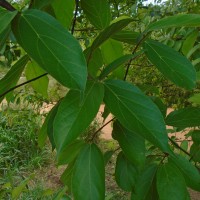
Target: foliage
x=94 y=63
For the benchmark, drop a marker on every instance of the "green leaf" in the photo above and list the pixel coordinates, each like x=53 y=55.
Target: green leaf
x=50 y=126
x=95 y=61
x=132 y=144
x=40 y=85
x=107 y=156
x=136 y=112
x=187 y=20
x=111 y=50
x=116 y=63
x=108 y=32
x=5 y=18
x=170 y=183
x=60 y=194
x=144 y=183
x=88 y=181
x=189 y=171
x=195 y=98
x=172 y=64
x=73 y=116
x=64 y=11
x=70 y=152
x=195 y=152
x=52 y=47
x=97 y=12
x=129 y=37
x=38 y=4
x=13 y=75
x=196 y=136
x=125 y=173
x=189 y=42
x=4 y=35
x=185 y=117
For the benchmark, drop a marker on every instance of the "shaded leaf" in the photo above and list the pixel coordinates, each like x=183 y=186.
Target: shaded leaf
x=196 y=136
x=13 y=75
x=64 y=11
x=40 y=85
x=38 y=4
x=185 y=117
x=195 y=152
x=132 y=144
x=5 y=18
x=171 y=64
x=88 y=181
x=129 y=37
x=170 y=183
x=136 y=112
x=70 y=152
x=62 y=57
x=144 y=183
x=73 y=116
x=189 y=171
x=107 y=156
x=98 y=12
x=187 y=20
x=4 y=35
x=125 y=173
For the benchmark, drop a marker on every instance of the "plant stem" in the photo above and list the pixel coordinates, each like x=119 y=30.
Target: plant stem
x=6 y=5
x=75 y=16
x=17 y=86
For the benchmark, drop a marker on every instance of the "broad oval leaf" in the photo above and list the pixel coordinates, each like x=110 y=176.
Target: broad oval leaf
x=88 y=181
x=125 y=173
x=172 y=64
x=189 y=171
x=52 y=47
x=98 y=12
x=132 y=144
x=40 y=85
x=144 y=183
x=13 y=75
x=136 y=112
x=64 y=11
x=185 y=117
x=70 y=152
x=129 y=37
x=5 y=18
x=73 y=116
x=187 y=20
x=108 y=32
x=170 y=183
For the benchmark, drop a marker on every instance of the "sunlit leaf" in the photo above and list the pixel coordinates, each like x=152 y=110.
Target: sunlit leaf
x=52 y=47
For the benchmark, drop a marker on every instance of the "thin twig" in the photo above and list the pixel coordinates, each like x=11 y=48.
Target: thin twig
x=6 y=5
x=178 y=147
x=17 y=86
x=75 y=16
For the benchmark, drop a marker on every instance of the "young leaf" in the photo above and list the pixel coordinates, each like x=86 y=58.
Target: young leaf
x=64 y=11
x=189 y=171
x=172 y=64
x=88 y=181
x=70 y=152
x=185 y=117
x=40 y=85
x=125 y=173
x=5 y=18
x=187 y=20
x=170 y=183
x=98 y=12
x=11 y=78
x=52 y=47
x=108 y=32
x=73 y=116
x=129 y=37
x=132 y=144
x=136 y=112
x=144 y=183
